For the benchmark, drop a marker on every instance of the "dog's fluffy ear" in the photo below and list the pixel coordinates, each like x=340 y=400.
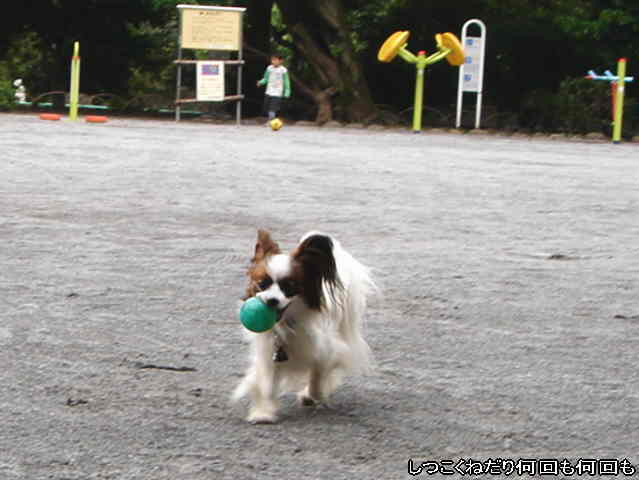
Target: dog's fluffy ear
x=264 y=246
x=315 y=256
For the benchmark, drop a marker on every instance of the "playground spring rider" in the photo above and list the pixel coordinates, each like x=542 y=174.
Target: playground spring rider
x=448 y=47
x=618 y=89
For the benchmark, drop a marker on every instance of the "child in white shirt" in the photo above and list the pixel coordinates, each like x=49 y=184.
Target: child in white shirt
x=278 y=86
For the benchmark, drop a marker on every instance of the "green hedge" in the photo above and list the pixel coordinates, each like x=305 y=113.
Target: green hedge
x=7 y=95
x=579 y=106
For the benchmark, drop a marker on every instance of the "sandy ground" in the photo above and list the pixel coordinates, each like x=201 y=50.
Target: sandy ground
x=508 y=328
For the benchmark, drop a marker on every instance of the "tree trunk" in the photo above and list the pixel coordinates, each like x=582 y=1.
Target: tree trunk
x=258 y=37
x=355 y=96
x=319 y=28
x=324 y=105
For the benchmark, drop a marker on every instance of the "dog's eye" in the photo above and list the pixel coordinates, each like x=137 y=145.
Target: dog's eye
x=265 y=283
x=289 y=287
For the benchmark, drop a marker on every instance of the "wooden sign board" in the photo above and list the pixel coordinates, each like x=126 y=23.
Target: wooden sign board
x=210 y=28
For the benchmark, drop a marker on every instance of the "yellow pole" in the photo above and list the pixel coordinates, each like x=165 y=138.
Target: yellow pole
x=621 y=73
x=419 y=92
x=74 y=93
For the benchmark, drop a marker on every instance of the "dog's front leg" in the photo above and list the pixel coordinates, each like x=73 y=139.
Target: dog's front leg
x=312 y=394
x=264 y=393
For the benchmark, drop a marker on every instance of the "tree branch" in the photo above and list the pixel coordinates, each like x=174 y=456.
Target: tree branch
x=306 y=90
x=279 y=38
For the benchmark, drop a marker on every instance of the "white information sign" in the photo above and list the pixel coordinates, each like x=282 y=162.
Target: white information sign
x=472 y=67
x=471 y=73
x=210 y=81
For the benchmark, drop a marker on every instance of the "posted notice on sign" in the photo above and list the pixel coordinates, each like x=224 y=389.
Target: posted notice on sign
x=211 y=29
x=472 y=64
x=210 y=81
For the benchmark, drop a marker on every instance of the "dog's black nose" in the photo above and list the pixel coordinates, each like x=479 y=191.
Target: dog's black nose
x=273 y=302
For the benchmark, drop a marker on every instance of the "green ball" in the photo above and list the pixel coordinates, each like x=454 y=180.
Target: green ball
x=256 y=316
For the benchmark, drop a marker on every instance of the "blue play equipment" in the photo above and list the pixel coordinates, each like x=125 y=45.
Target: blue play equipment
x=617 y=83
x=608 y=76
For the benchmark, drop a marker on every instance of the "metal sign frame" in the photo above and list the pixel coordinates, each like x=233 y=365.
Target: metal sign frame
x=238 y=97
x=460 y=87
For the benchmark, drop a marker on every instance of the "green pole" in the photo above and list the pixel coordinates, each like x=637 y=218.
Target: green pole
x=74 y=94
x=621 y=75
x=419 y=92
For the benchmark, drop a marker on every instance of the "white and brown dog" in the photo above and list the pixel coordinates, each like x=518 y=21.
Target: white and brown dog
x=320 y=292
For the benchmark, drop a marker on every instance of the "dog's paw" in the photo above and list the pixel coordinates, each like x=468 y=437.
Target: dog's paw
x=261 y=418
x=306 y=401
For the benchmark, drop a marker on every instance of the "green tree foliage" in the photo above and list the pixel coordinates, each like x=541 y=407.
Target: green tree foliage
x=322 y=35
x=7 y=97
x=108 y=44
x=127 y=47
x=540 y=43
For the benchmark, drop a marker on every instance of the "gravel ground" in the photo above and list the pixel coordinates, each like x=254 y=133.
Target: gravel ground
x=508 y=327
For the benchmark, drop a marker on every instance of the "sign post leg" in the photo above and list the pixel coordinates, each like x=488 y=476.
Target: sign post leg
x=177 y=96
x=240 y=56
x=478 y=111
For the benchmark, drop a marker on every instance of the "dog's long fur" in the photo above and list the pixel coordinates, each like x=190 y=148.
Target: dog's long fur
x=321 y=293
